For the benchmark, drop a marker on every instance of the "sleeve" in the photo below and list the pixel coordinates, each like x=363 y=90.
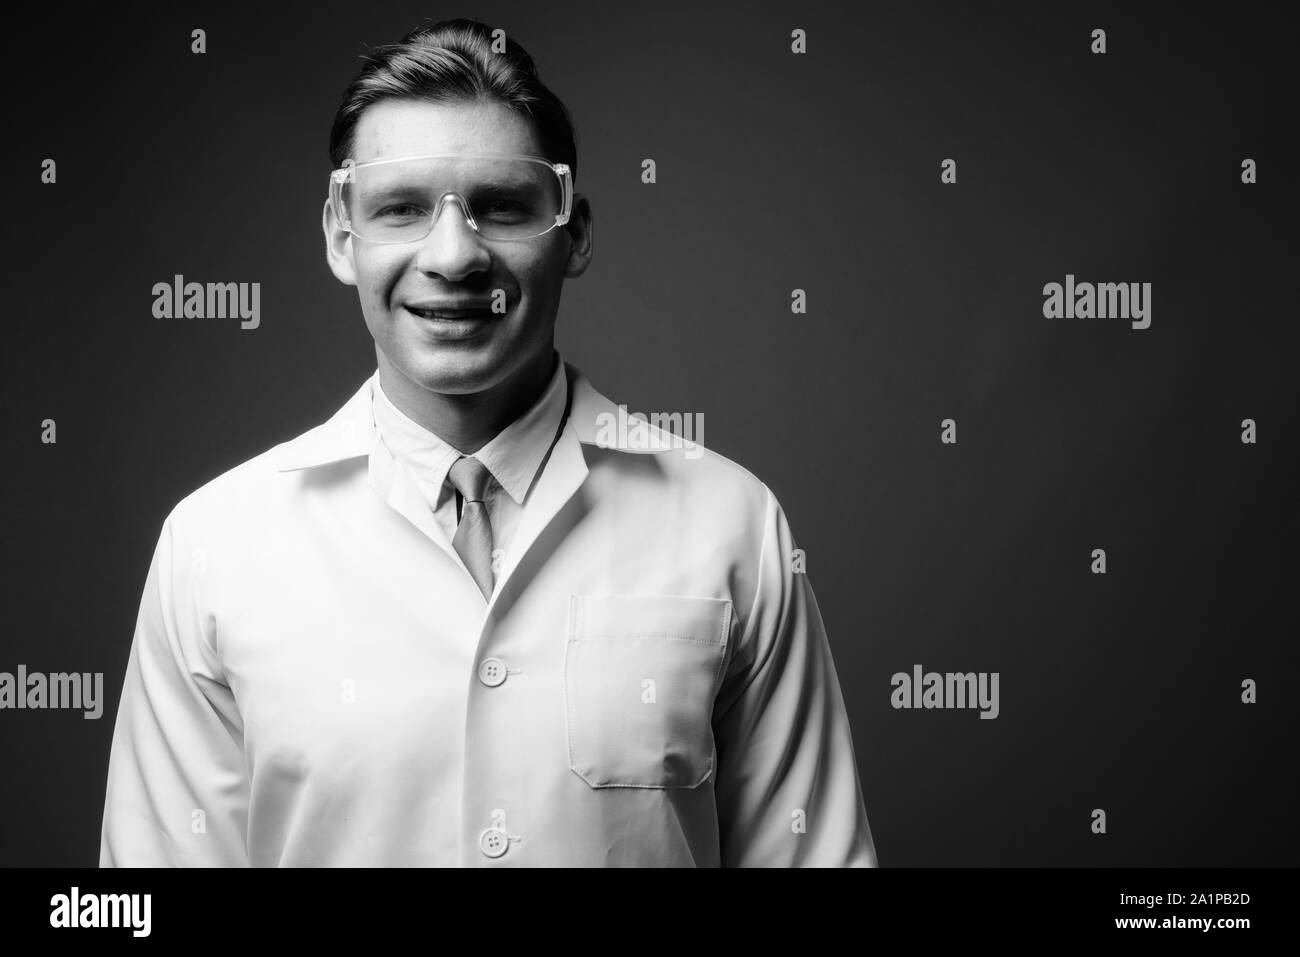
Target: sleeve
x=788 y=791
x=177 y=789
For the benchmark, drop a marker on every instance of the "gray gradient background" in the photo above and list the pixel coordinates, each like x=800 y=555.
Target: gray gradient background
x=775 y=171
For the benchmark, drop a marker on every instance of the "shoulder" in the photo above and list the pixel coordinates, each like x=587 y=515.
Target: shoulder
x=665 y=456
x=236 y=496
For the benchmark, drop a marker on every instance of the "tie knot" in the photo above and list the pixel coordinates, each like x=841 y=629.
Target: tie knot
x=469 y=476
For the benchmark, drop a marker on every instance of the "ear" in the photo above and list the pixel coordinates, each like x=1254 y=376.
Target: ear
x=338 y=247
x=581 y=229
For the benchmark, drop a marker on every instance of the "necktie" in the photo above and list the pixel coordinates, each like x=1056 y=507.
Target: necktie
x=473 y=541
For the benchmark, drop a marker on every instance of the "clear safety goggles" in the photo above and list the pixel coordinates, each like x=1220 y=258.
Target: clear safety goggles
x=502 y=196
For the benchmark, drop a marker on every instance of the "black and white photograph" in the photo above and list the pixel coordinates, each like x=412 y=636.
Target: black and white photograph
x=360 y=513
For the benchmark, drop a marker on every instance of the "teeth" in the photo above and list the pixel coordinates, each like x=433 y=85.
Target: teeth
x=441 y=313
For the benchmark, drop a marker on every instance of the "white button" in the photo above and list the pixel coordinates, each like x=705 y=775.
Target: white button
x=492 y=671
x=493 y=842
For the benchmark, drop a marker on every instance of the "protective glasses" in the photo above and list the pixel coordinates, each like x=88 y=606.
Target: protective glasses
x=503 y=196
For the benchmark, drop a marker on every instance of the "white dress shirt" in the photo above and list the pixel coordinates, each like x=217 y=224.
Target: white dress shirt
x=513 y=457
x=316 y=679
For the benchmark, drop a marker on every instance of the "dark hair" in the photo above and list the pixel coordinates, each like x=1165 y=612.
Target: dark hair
x=453 y=60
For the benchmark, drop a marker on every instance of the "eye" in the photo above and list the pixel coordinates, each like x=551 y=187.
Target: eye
x=401 y=210
x=504 y=207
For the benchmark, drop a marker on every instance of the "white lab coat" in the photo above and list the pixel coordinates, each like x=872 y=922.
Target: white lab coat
x=315 y=679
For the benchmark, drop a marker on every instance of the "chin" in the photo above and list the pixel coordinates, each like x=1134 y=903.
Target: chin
x=457 y=376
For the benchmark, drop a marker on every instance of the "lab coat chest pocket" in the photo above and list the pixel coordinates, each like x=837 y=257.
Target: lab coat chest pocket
x=640 y=676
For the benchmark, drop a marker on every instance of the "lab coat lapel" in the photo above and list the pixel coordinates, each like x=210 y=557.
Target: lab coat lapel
x=562 y=475
x=351 y=432
x=396 y=487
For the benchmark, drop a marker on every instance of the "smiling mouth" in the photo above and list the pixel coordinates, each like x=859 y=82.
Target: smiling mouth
x=450 y=314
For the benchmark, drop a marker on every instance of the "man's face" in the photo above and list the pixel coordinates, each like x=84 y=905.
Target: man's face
x=453 y=264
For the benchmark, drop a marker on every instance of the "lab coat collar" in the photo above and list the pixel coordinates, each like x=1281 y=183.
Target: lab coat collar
x=351 y=433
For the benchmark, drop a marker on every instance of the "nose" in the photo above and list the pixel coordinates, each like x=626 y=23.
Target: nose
x=452 y=249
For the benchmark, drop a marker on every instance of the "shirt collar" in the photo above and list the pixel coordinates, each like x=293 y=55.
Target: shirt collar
x=351 y=431
x=423 y=452
x=515 y=453
x=512 y=456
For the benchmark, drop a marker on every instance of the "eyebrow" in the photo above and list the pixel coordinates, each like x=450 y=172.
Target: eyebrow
x=487 y=188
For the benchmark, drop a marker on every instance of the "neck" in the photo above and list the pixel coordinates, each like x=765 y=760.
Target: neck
x=468 y=422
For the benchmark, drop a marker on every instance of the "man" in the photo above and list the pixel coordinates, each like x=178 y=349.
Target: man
x=452 y=625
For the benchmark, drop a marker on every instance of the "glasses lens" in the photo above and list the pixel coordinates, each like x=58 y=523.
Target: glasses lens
x=508 y=198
